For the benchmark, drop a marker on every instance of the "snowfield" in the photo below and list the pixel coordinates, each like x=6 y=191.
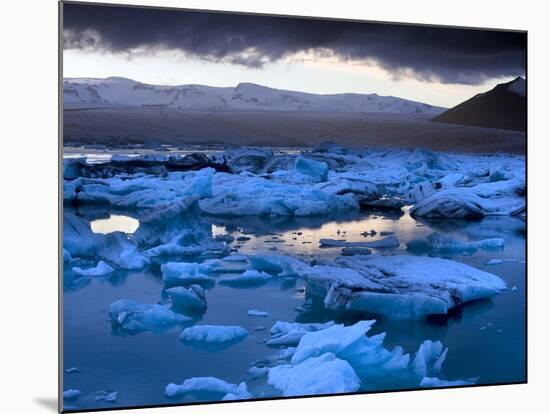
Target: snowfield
x=245 y=96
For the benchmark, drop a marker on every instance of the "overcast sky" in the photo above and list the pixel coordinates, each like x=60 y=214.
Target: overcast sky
x=440 y=66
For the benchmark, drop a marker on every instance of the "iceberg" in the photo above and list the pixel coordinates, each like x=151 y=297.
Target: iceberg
x=493 y=262
x=254 y=312
x=213 y=334
x=240 y=195
x=442 y=244
x=71 y=394
x=80 y=241
x=134 y=317
x=399 y=287
x=315 y=170
x=106 y=396
x=249 y=278
x=485 y=199
x=290 y=333
x=281 y=266
x=209 y=385
x=191 y=297
x=191 y=273
x=365 y=354
x=102 y=269
x=325 y=374
x=429 y=359
x=431 y=382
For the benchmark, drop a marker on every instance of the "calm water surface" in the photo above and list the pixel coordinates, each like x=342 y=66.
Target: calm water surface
x=485 y=338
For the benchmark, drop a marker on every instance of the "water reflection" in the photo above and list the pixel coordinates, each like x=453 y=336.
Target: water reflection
x=480 y=335
x=114 y=223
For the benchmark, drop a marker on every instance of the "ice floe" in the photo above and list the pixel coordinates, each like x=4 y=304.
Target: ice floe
x=101 y=269
x=339 y=359
x=290 y=333
x=317 y=171
x=191 y=297
x=431 y=382
x=136 y=317
x=255 y=312
x=209 y=385
x=213 y=334
x=109 y=396
x=185 y=273
x=443 y=244
x=80 y=241
x=248 y=278
x=399 y=287
x=325 y=374
x=71 y=394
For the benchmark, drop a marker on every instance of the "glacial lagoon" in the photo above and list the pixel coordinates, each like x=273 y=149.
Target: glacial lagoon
x=485 y=338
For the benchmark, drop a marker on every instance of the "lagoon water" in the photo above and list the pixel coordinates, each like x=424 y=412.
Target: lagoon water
x=486 y=339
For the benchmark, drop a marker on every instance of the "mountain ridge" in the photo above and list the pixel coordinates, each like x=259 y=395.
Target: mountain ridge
x=503 y=107
x=119 y=91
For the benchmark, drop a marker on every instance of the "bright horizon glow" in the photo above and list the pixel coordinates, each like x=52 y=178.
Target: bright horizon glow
x=301 y=72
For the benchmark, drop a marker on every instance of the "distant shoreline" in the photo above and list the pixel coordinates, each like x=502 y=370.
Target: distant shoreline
x=126 y=127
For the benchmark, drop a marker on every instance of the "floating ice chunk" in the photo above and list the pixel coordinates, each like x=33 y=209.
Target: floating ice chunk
x=431 y=382
x=106 y=396
x=429 y=358
x=494 y=262
x=250 y=277
x=254 y=312
x=283 y=355
x=148 y=192
x=102 y=269
x=248 y=159
x=175 y=272
x=213 y=334
x=321 y=375
x=390 y=241
x=282 y=266
x=136 y=317
x=210 y=385
x=66 y=256
x=256 y=196
x=191 y=297
x=257 y=372
x=71 y=394
x=119 y=250
x=290 y=333
x=443 y=244
x=486 y=199
x=79 y=240
x=317 y=171
x=399 y=287
x=365 y=354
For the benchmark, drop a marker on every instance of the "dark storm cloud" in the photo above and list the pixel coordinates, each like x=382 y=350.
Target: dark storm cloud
x=448 y=55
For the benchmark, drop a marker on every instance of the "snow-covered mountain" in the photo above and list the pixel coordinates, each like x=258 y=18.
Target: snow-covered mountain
x=116 y=91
